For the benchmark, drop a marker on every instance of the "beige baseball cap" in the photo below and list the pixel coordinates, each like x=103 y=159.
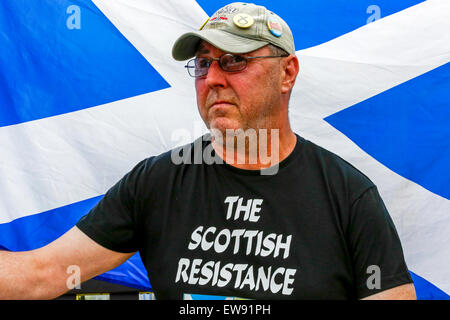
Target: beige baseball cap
x=237 y=28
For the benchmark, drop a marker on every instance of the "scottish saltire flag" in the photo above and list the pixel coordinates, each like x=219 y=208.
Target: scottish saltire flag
x=89 y=88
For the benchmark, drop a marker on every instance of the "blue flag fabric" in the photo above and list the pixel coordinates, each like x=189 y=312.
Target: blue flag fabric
x=88 y=88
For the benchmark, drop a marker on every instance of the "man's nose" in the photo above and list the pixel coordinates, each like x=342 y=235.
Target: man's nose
x=216 y=76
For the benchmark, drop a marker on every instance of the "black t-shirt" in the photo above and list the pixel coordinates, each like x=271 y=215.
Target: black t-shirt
x=317 y=229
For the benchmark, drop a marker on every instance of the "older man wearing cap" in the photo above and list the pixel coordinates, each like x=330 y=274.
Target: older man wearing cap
x=315 y=228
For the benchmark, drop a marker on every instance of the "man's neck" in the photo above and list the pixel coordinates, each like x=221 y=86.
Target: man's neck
x=255 y=149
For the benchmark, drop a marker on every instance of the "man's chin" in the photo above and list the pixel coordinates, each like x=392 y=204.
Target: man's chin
x=224 y=126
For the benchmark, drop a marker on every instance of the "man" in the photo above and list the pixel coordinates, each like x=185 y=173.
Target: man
x=272 y=216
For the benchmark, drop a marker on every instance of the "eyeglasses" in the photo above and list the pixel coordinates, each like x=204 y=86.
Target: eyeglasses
x=198 y=67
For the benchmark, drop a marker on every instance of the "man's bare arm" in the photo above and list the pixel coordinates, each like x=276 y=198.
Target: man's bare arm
x=43 y=273
x=403 y=292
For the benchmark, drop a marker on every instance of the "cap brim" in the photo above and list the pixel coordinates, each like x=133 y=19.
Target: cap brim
x=185 y=47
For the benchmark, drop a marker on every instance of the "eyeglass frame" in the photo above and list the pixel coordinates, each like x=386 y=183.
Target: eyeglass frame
x=246 y=58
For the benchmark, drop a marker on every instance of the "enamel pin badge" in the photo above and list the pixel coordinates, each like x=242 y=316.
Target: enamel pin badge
x=275 y=27
x=243 y=20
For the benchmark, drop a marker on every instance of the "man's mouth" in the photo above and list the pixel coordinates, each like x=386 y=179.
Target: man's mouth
x=220 y=108
x=221 y=103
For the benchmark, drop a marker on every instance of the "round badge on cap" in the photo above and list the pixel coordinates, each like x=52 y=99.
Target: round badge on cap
x=275 y=27
x=243 y=20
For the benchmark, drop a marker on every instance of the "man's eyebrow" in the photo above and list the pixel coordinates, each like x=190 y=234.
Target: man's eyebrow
x=201 y=49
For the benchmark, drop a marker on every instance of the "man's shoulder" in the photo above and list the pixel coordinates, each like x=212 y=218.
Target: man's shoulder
x=334 y=165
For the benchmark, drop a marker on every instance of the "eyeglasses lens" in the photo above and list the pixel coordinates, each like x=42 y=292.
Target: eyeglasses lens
x=232 y=63
x=199 y=67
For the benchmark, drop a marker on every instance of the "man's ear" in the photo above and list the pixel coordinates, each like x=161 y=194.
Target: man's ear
x=290 y=71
